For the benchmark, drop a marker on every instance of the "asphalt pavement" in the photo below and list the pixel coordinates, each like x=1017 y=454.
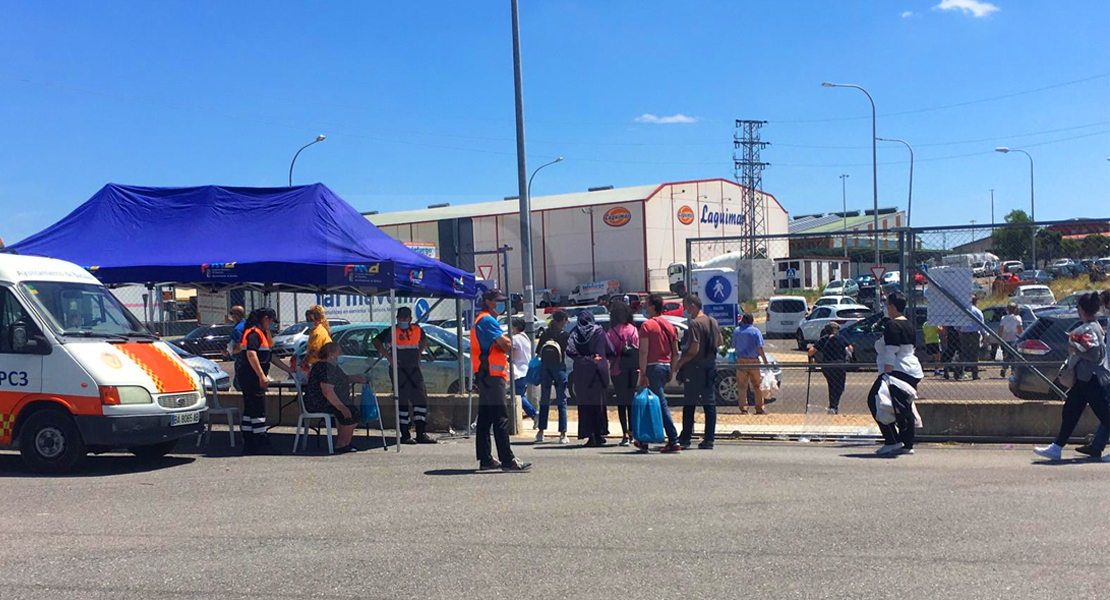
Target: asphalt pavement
x=753 y=520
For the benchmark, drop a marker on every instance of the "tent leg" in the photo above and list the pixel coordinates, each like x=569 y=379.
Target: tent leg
x=393 y=363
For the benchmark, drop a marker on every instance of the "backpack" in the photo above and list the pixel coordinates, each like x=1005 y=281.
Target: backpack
x=628 y=356
x=551 y=353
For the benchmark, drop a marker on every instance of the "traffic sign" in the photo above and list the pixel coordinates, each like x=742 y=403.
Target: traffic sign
x=878 y=271
x=725 y=314
x=485 y=271
x=718 y=289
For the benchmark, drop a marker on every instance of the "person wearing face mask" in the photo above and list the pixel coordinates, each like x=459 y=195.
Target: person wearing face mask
x=411 y=392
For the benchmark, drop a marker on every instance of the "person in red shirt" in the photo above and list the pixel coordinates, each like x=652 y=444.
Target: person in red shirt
x=658 y=353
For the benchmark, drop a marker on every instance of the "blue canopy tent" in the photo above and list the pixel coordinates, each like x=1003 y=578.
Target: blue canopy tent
x=303 y=238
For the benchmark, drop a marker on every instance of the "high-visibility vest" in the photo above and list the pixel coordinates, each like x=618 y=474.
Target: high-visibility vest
x=493 y=357
x=261 y=334
x=409 y=339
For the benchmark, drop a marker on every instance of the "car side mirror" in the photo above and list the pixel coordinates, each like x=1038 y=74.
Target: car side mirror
x=17 y=337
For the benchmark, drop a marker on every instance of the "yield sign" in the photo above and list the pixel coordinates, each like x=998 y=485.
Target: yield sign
x=484 y=271
x=877 y=272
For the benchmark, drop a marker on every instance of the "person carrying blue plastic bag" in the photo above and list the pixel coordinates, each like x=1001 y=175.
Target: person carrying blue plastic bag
x=647 y=418
x=658 y=352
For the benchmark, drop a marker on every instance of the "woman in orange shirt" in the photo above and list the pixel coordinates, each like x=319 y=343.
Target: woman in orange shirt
x=318 y=335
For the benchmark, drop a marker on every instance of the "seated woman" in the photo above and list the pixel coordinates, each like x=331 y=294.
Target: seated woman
x=329 y=391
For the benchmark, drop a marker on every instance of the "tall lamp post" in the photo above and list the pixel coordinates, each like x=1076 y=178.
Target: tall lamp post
x=533 y=176
x=1032 y=200
x=909 y=202
x=874 y=161
x=992 y=208
x=318 y=139
x=844 y=202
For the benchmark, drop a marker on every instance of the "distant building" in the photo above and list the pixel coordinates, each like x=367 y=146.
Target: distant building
x=828 y=230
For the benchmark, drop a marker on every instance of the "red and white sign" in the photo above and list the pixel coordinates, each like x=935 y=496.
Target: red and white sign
x=685 y=215
x=617 y=216
x=878 y=272
x=485 y=271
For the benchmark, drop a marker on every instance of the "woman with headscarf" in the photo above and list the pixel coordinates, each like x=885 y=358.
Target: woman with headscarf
x=590 y=349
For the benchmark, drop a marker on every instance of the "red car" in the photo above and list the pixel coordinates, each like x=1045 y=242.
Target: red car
x=672 y=308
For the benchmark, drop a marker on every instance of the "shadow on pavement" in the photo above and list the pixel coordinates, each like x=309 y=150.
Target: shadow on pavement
x=448 y=472
x=1081 y=460
x=11 y=465
x=871 y=455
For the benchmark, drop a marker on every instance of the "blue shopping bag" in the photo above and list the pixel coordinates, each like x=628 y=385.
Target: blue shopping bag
x=532 y=377
x=647 y=418
x=368 y=406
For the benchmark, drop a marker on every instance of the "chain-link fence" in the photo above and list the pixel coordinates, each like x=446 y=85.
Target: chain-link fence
x=991 y=307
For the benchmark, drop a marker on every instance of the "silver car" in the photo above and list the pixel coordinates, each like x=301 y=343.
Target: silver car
x=287 y=340
x=204 y=366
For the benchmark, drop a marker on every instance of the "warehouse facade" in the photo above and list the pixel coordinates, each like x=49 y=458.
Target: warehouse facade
x=629 y=234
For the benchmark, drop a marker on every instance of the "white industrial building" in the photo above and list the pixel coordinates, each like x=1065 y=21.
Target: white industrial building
x=629 y=234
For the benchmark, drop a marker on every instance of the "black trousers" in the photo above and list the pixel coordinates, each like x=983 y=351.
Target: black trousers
x=835 y=378
x=624 y=386
x=904 y=427
x=951 y=346
x=1079 y=396
x=969 y=350
x=253 y=424
x=412 y=393
x=493 y=417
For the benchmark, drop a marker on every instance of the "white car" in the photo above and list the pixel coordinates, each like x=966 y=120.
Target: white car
x=287 y=340
x=846 y=287
x=1033 y=295
x=784 y=314
x=809 y=331
x=890 y=277
x=834 y=301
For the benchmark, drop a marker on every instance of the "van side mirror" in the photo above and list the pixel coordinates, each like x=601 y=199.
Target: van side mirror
x=23 y=342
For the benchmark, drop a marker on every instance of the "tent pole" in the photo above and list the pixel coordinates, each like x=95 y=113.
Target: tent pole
x=458 y=346
x=393 y=363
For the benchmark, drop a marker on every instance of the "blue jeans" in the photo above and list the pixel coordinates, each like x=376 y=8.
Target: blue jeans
x=557 y=378
x=521 y=390
x=658 y=376
x=1102 y=436
x=700 y=390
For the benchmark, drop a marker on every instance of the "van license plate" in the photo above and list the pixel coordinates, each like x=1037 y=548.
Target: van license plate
x=188 y=418
x=786 y=323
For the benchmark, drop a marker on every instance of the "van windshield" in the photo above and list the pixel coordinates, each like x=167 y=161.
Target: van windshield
x=82 y=309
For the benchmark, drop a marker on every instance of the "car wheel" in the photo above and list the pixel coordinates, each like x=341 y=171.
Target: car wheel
x=50 y=442
x=801 y=340
x=725 y=387
x=153 y=451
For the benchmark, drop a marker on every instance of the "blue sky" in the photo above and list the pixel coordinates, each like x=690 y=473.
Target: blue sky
x=416 y=99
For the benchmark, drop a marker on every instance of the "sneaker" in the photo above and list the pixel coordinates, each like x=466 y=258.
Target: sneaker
x=346 y=449
x=535 y=423
x=705 y=446
x=539 y=438
x=1051 y=451
x=832 y=411
x=760 y=411
x=625 y=442
x=563 y=441
x=640 y=445
x=670 y=449
x=888 y=448
x=684 y=444
x=425 y=439
x=1002 y=373
x=408 y=441
x=492 y=465
x=903 y=450
x=940 y=372
x=1087 y=450
x=517 y=466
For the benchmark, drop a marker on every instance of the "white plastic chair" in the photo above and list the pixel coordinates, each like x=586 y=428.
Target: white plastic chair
x=303 y=425
x=215 y=409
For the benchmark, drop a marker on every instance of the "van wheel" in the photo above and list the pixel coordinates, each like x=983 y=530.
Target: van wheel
x=153 y=451
x=50 y=442
x=801 y=340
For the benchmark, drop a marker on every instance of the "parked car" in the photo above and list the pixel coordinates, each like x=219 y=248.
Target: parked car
x=834 y=301
x=1071 y=300
x=204 y=366
x=1061 y=271
x=1059 y=262
x=1033 y=295
x=784 y=314
x=980 y=269
x=864 y=333
x=868 y=289
x=809 y=331
x=992 y=318
x=208 y=341
x=846 y=287
x=1013 y=266
x=1045 y=341
x=549 y=297
x=1034 y=276
x=286 y=341
x=672 y=309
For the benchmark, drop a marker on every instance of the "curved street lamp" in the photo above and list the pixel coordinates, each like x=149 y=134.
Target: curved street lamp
x=1032 y=201
x=557 y=160
x=909 y=202
x=318 y=139
x=874 y=160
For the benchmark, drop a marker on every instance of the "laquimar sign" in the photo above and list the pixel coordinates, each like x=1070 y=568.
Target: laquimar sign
x=717 y=218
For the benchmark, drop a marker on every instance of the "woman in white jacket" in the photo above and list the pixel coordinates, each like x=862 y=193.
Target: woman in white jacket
x=892 y=396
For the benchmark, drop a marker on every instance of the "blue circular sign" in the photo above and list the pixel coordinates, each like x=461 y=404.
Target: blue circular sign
x=421 y=308
x=718 y=289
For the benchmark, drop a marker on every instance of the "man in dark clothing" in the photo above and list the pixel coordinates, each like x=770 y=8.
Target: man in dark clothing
x=552 y=349
x=411 y=391
x=832 y=348
x=697 y=369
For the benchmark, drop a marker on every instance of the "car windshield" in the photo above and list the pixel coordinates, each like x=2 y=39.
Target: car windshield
x=296 y=328
x=826 y=301
x=1038 y=297
x=447 y=338
x=83 y=309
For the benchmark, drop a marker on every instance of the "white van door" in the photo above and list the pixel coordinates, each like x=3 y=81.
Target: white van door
x=20 y=365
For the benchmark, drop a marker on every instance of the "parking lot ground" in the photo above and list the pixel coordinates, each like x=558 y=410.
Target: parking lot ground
x=756 y=520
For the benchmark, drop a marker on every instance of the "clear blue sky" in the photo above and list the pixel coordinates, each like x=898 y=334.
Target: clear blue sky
x=416 y=99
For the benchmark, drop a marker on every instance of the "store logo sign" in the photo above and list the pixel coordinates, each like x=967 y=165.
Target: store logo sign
x=717 y=218
x=360 y=273
x=617 y=217
x=218 y=270
x=685 y=215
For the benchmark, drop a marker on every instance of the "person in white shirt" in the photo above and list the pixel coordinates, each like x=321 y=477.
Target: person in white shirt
x=522 y=355
x=1011 y=327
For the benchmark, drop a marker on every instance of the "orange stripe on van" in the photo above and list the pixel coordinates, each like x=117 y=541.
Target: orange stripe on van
x=11 y=403
x=168 y=374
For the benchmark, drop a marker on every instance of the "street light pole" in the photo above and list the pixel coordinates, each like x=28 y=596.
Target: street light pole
x=533 y=176
x=909 y=202
x=1032 y=199
x=529 y=293
x=844 y=201
x=992 y=208
x=874 y=161
x=318 y=139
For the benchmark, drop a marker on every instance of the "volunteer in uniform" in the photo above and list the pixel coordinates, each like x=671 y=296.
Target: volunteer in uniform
x=253 y=368
x=410 y=389
x=489 y=359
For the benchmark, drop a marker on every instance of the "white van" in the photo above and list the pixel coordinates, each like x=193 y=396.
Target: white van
x=784 y=315
x=79 y=374
x=594 y=292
